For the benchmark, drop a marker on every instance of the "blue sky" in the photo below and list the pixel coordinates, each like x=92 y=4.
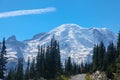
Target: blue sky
x=86 y=13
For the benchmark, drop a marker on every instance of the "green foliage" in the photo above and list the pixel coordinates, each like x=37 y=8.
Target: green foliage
x=118 y=45
x=111 y=54
x=11 y=75
x=27 y=71
x=95 y=58
x=68 y=66
x=32 y=72
x=40 y=62
x=19 y=69
x=48 y=61
x=118 y=58
x=107 y=61
x=55 y=63
x=87 y=76
x=99 y=57
x=62 y=77
x=118 y=66
x=3 y=60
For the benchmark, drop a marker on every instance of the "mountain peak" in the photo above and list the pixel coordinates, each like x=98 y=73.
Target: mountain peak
x=70 y=26
x=66 y=28
x=12 y=38
x=75 y=41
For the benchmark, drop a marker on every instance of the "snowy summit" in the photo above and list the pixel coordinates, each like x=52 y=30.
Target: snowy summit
x=75 y=41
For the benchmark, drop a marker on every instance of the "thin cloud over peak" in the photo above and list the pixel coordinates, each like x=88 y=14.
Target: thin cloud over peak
x=26 y=12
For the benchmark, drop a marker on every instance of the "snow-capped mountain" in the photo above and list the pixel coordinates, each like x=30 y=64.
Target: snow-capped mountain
x=75 y=41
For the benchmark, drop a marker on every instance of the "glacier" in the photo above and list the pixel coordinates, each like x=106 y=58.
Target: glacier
x=75 y=41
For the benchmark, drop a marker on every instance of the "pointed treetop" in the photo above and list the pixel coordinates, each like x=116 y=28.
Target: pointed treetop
x=3 y=40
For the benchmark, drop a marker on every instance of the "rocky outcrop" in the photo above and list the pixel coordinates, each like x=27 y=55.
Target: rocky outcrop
x=99 y=76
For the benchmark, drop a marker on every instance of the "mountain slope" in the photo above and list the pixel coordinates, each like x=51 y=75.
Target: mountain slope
x=75 y=41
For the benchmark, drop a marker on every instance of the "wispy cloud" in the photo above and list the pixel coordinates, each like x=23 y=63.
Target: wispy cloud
x=26 y=12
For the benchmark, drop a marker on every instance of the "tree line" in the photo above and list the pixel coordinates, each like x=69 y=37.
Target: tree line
x=47 y=64
x=106 y=59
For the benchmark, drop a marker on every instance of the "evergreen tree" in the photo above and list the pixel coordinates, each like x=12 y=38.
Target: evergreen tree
x=118 y=45
x=86 y=67
x=79 y=69
x=99 y=52
x=38 y=62
x=47 y=63
x=118 y=65
x=82 y=67
x=55 y=62
x=42 y=62
x=101 y=58
x=118 y=55
x=19 y=69
x=3 y=60
x=95 y=62
x=58 y=60
x=111 y=53
x=40 y=65
x=53 y=58
x=27 y=71
x=68 y=66
x=110 y=59
x=75 y=68
x=32 y=69
x=11 y=75
x=90 y=69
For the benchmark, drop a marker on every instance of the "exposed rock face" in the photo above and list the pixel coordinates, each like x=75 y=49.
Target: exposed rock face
x=99 y=76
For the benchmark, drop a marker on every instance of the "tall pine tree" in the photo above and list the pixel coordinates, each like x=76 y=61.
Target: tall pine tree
x=118 y=45
x=38 y=63
x=33 y=69
x=101 y=58
x=27 y=71
x=95 y=58
x=68 y=66
x=48 y=61
x=118 y=55
x=19 y=69
x=11 y=74
x=111 y=53
x=3 y=60
x=55 y=62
